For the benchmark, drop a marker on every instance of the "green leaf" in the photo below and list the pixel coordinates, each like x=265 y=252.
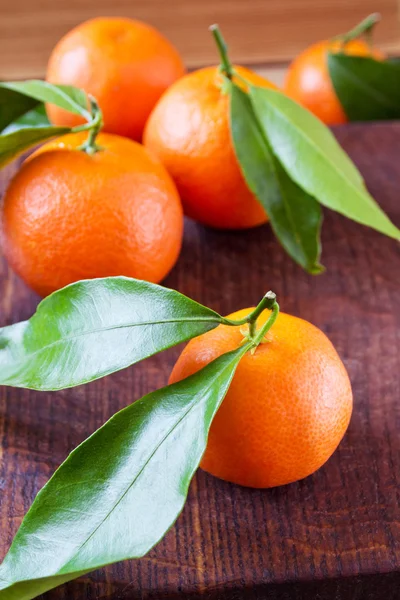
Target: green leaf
x=92 y=328
x=25 y=127
x=15 y=143
x=295 y=216
x=65 y=96
x=36 y=117
x=13 y=105
x=314 y=160
x=121 y=490
x=368 y=89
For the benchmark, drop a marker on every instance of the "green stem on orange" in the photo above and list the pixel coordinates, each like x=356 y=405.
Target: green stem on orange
x=260 y=335
x=364 y=28
x=226 y=65
x=94 y=127
x=255 y=336
x=268 y=302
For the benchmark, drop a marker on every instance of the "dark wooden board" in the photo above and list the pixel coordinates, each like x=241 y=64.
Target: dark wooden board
x=335 y=534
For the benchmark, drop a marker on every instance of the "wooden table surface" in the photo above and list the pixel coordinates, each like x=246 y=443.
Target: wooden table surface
x=257 y=31
x=335 y=534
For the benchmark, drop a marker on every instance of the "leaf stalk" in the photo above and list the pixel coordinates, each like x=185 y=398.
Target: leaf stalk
x=260 y=335
x=255 y=336
x=94 y=127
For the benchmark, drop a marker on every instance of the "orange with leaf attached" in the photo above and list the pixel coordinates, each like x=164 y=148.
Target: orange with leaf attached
x=125 y=64
x=287 y=408
x=189 y=130
x=308 y=80
x=69 y=215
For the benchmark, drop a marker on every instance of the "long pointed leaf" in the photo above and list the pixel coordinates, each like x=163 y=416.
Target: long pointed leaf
x=92 y=328
x=13 y=105
x=19 y=97
x=295 y=216
x=65 y=96
x=368 y=89
x=315 y=161
x=36 y=117
x=14 y=143
x=120 y=491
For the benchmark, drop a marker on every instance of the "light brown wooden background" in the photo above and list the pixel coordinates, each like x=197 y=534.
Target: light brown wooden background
x=258 y=31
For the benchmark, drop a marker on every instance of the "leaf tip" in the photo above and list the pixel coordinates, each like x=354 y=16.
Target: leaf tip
x=316 y=269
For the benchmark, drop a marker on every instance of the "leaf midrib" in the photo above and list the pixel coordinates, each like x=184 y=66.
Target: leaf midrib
x=113 y=327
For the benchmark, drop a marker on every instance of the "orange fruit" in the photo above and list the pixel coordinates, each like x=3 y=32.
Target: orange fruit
x=68 y=215
x=288 y=406
x=125 y=64
x=308 y=81
x=189 y=131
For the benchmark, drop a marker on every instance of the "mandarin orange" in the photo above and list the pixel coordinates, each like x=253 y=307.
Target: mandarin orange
x=288 y=406
x=68 y=215
x=125 y=64
x=189 y=131
x=308 y=81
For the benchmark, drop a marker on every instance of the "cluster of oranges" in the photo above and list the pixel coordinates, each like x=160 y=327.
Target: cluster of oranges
x=166 y=150
x=68 y=215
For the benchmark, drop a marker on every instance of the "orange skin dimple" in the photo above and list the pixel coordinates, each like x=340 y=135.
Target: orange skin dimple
x=125 y=64
x=288 y=406
x=308 y=81
x=189 y=131
x=68 y=215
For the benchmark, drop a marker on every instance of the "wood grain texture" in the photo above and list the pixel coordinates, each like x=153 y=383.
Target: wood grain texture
x=258 y=31
x=335 y=534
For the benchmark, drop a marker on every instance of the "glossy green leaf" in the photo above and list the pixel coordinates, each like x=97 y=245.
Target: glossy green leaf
x=95 y=327
x=15 y=143
x=23 y=128
x=295 y=216
x=314 y=160
x=120 y=491
x=13 y=105
x=65 y=96
x=368 y=89
x=36 y=117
